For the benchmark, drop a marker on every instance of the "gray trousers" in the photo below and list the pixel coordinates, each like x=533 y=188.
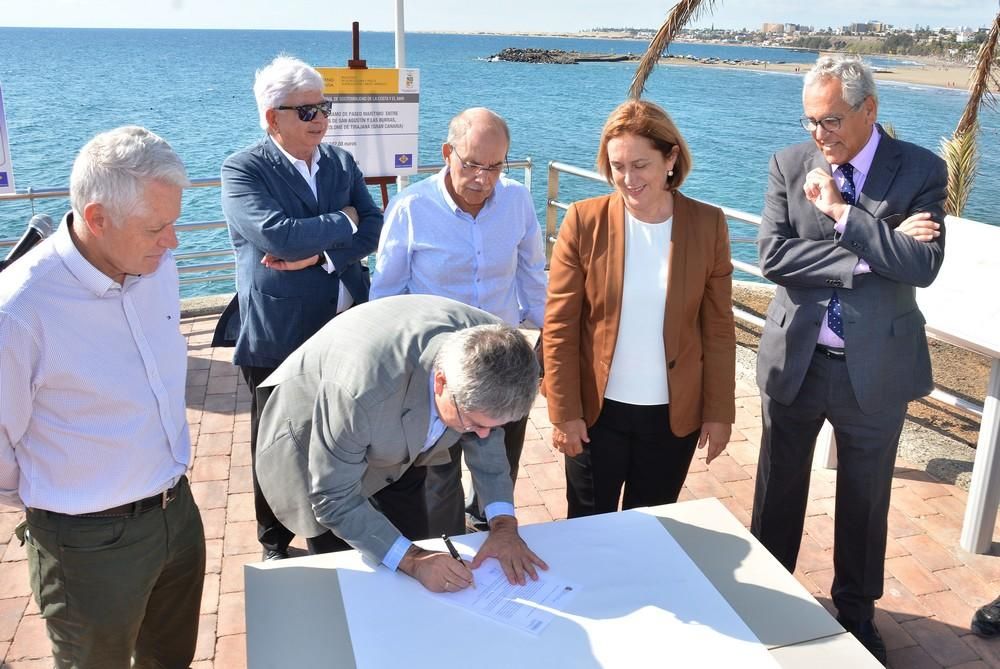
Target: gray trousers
x=446 y=502
x=866 y=456
x=111 y=589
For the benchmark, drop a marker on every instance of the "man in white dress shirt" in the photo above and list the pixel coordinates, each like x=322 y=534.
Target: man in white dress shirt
x=94 y=438
x=471 y=234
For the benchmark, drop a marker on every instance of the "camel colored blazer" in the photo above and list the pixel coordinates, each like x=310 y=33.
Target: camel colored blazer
x=583 y=312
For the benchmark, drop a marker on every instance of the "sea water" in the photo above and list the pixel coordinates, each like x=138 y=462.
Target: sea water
x=194 y=87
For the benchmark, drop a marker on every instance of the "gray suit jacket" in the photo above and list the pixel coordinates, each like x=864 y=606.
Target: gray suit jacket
x=270 y=208
x=349 y=413
x=887 y=357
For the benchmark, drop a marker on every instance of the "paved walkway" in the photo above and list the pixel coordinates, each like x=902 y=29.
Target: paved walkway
x=931 y=591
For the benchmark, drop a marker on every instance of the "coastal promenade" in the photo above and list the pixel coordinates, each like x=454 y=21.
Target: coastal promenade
x=932 y=587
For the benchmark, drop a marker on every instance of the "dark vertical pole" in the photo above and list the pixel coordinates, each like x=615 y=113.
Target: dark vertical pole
x=356 y=63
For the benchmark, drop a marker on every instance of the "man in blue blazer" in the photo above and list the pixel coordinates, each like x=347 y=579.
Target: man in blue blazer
x=852 y=223
x=301 y=219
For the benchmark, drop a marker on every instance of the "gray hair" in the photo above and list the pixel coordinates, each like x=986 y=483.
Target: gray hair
x=460 y=125
x=283 y=76
x=490 y=369
x=114 y=167
x=856 y=79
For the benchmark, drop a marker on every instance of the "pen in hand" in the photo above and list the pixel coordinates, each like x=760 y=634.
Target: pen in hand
x=454 y=554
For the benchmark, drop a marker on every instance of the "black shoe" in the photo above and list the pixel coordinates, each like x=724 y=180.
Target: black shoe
x=275 y=554
x=866 y=632
x=986 y=622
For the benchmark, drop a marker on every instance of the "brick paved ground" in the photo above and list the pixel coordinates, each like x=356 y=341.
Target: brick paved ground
x=932 y=588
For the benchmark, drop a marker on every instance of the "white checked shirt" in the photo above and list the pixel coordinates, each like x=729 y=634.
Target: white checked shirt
x=92 y=378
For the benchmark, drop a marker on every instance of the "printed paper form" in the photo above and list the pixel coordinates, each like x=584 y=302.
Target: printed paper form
x=527 y=607
x=643 y=602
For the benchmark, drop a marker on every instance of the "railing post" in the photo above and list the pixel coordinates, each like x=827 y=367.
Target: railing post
x=551 y=212
x=984 y=488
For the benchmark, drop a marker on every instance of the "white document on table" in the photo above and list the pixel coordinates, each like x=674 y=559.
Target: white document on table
x=529 y=607
x=642 y=602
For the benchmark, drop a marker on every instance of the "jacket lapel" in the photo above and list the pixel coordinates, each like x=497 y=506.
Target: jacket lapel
x=283 y=168
x=884 y=167
x=417 y=411
x=614 y=280
x=676 y=276
x=325 y=178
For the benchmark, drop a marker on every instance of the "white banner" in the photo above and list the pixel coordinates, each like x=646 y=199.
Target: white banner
x=375 y=116
x=6 y=168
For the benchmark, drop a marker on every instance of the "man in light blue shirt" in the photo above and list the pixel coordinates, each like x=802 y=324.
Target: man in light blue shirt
x=471 y=234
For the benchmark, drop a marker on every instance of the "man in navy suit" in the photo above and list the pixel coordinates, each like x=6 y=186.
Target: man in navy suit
x=301 y=219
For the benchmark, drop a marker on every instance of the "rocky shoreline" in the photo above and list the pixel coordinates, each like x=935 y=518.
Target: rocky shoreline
x=557 y=57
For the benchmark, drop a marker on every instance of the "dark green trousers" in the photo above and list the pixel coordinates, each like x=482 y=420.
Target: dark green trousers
x=114 y=589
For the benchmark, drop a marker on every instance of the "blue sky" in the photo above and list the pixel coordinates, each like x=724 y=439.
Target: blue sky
x=463 y=15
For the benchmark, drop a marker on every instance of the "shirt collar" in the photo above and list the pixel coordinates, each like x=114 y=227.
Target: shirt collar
x=299 y=164
x=92 y=278
x=862 y=161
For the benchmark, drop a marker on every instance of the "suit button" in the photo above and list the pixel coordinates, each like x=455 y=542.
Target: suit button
x=388 y=479
x=838 y=283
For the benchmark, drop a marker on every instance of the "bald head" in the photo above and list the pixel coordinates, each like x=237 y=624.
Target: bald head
x=475 y=153
x=478 y=121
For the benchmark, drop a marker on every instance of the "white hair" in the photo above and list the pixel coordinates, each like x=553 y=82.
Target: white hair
x=114 y=167
x=279 y=79
x=856 y=79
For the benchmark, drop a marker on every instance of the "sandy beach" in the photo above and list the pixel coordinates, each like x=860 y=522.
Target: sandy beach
x=928 y=74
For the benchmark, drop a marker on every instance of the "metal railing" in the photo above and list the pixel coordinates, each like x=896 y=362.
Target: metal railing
x=192 y=273
x=554 y=205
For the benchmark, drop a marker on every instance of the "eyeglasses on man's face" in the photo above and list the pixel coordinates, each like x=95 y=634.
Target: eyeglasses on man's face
x=828 y=123
x=477 y=169
x=308 y=112
x=466 y=426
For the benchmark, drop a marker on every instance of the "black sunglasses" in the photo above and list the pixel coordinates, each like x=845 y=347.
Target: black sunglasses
x=308 y=112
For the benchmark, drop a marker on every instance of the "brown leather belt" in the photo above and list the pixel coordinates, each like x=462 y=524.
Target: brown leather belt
x=160 y=500
x=831 y=353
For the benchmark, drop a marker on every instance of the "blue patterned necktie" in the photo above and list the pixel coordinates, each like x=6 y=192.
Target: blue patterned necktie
x=849 y=193
x=834 y=317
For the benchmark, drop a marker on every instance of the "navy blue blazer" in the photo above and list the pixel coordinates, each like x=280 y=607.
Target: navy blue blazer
x=269 y=208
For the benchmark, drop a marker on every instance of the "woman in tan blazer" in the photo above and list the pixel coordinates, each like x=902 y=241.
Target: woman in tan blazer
x=639 y=341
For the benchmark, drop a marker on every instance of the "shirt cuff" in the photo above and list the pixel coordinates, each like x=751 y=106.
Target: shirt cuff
x=498 y=509
x=841 y=223
x=328 y=264
x=354 y=228
x=396 y=552
x=862 y=267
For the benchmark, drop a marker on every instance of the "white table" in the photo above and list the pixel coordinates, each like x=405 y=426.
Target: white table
x=295 y=613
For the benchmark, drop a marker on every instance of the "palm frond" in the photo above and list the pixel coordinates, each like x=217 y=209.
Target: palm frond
x=889 y=129
x=984 y=79
x=962 y=157
x=961 y=152
x=682 y=12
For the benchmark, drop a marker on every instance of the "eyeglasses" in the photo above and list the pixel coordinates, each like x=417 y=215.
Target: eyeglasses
x=308 y=112
x=466 y=427
x=830 y=123
x=477 y=169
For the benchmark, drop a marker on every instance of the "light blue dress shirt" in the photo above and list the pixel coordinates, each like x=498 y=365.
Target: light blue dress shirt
x=494 y=261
